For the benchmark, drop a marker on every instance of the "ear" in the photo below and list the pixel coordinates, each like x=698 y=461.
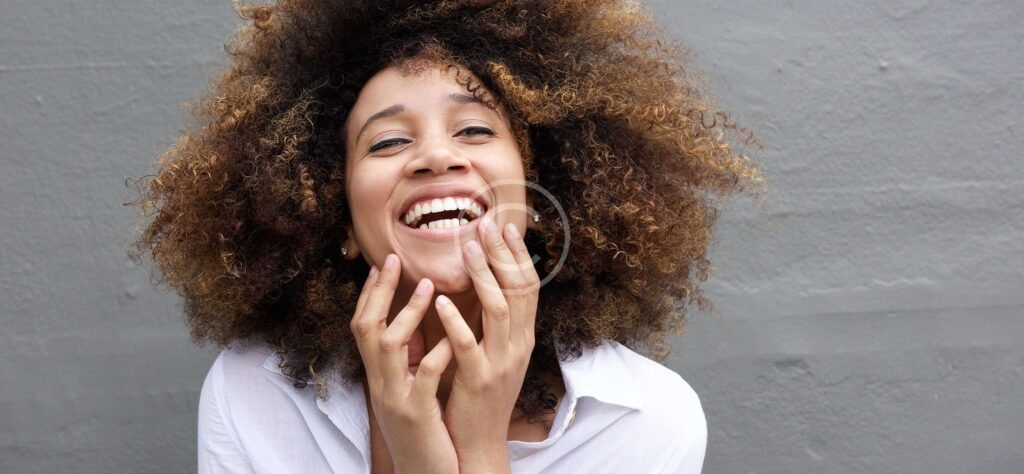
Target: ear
x=351 y=245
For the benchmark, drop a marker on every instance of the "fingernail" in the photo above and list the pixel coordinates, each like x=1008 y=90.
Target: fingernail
x=443 y=300
x=513 y=231
x=473 y=248
x=373 y=270
x=422 y=286
x=389 y=262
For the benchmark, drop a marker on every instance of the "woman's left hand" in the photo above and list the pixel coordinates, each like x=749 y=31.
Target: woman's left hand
x=490 y=373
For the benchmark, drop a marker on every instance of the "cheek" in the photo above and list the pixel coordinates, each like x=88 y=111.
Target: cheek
x=367 y=183
x=358 y=194
x=507 y=175
x=507 y=162
x=365 y=200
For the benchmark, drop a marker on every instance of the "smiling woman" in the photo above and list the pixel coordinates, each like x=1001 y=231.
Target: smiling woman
x=428 y=156
x=368 y=200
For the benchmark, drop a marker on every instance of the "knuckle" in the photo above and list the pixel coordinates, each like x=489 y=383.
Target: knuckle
x=381 y=282
x=489 y=384
x=394 y=407
x=389 y=343
x=464 y=344
x=500 y=312
x=514 y=279
x=417 y=301
x=360 y=329
x=505 y=373
x=430 y=368
x=397 y=409
x=406 y=416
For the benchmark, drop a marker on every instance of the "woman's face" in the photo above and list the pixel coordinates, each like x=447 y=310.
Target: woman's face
x=413 y=139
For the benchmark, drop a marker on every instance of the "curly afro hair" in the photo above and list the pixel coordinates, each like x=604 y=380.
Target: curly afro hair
x=248 y=208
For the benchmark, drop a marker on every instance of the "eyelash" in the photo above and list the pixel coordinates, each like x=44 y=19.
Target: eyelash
x=387 y=143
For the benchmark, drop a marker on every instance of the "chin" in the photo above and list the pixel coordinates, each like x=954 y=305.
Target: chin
x=449 y=277
x=452 y=286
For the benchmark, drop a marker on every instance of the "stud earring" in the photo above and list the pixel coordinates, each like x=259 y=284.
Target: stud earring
x=344 y=251
x=535 y=217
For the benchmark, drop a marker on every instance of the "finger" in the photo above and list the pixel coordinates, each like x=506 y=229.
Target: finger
x=515 y=283
x=531 y=288
x=374 y=274
x=394 y=342
x=355 y=325
x=521 y=253
x=432 y=366
x=463 y=341
x=495 y=308
x=503 y=263
x=371 y=320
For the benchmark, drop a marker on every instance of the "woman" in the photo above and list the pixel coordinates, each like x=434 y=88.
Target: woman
x=350 y=210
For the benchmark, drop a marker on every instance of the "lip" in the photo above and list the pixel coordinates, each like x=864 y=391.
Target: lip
x=441 y=190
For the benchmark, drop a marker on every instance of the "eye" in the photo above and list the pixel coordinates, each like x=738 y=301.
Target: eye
x=472 y=131
x=478 y=130
x=387 y=144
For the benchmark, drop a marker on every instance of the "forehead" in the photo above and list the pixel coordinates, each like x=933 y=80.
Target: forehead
x=391 y=84
x=420 y=88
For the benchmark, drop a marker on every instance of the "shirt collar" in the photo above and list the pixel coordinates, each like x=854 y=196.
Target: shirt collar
x=602 y=373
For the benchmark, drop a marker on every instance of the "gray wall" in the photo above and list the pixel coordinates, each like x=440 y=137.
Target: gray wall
x=868 y=319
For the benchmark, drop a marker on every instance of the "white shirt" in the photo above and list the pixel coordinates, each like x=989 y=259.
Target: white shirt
x=621 y=412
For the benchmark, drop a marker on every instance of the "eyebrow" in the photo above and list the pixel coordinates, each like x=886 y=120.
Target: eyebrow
x=399 y=108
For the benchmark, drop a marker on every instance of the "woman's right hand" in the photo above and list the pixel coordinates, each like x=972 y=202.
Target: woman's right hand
x=405 y=405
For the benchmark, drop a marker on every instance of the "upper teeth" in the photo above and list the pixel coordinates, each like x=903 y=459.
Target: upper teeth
x=473 y=210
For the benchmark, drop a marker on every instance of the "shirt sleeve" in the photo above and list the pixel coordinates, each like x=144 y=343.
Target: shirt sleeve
x=218 y=448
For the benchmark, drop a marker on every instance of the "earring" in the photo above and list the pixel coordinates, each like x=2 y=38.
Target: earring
x=536 y=217
x=344 y=251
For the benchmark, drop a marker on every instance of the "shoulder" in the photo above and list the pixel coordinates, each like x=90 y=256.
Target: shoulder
x=250 y=414
x=245 y=369
x=241 y=361
x=671 y=416
x=221 y=442
x=658 y=387
x=244 y=382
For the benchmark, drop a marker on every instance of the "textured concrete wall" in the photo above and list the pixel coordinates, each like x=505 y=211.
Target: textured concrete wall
x=868 y=320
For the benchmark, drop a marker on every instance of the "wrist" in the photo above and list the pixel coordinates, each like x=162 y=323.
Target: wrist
x=418 y=468
x=492 y=460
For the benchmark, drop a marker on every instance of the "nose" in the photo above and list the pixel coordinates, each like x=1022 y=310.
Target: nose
x=437 y=154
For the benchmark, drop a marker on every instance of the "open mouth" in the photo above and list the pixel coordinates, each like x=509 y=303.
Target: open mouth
x=443 y=213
